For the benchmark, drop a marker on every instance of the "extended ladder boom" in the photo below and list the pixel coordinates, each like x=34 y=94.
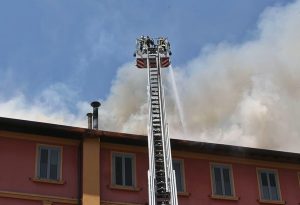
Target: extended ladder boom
x=161 y=177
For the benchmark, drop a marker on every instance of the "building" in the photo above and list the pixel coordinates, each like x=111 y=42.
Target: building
x=46 y=164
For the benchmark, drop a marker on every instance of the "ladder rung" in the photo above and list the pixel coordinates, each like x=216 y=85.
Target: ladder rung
x=155 y=103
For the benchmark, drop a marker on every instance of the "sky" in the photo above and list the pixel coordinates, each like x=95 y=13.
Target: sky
x=56 y=56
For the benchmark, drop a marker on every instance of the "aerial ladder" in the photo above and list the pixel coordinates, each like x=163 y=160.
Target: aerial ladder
x=154 y=54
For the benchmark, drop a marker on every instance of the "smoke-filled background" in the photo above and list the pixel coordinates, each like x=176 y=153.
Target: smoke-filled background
x=245 y=94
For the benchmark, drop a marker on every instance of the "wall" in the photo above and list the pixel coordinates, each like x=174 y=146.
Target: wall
x=8 y=201
x=110 y=194
x=18 y=162
x=198 y=180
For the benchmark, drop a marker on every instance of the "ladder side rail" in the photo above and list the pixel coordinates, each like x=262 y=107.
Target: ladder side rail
x=168 y=152
x=151 y=151
x=170 y=162
x=170 y=171
x=160 y=120
x=151 y=188
x=151 y=168
x=158 y=97
x=174 y=189
x=161 y=99
x=150 y=136
x=150 y=147
x=151 y=171
x=150 y=131
x=166 y=137
x=154 y=81
x=169 y=158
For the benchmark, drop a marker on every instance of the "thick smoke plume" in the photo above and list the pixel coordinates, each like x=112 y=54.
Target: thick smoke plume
x=245 y=94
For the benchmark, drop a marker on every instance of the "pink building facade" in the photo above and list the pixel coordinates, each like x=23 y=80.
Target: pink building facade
x=254 y=176
x=44 y=164
x=23 y=180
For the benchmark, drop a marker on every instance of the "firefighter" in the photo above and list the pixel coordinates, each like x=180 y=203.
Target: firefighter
x=162 y=43
x=149 y=42
x=142 y=43
x=169 y=47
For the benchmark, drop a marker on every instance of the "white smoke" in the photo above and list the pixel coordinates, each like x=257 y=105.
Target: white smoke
x=50 y=106
x=126 y=107
x=245 y=94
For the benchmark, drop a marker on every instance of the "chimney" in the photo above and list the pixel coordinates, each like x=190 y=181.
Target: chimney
x=90 y=118
x=95 y=106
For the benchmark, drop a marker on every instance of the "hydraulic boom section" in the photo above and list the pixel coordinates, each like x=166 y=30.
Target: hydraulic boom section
x=154 y=54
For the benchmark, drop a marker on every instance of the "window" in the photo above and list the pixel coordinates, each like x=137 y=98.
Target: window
x=123 y=166
x=222 y=182
x=268 y=185
x=49 y=162
x=179 y=173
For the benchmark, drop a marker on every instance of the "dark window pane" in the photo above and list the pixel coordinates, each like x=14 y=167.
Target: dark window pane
x=272 y=180
x=265 y=193
x=264 y=186
x=44 y=156
x=128 y=172
x=54 y=158
x=273 y=187
x=264 y=179
x=218 y=181
x=43 y=163
x=227 y=183
x=274 y=193
x=53 y=172
x=118 y=171
x=54 y=164
x=178 y=174
x=43 y=170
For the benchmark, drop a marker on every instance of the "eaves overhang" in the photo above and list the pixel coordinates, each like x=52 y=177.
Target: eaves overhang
x=69 y=132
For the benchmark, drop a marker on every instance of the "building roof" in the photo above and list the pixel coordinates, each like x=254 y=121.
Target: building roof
x=40 y=128
x=69 y=132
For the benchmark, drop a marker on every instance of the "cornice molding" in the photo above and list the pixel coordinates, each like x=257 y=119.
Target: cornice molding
x=38 y=197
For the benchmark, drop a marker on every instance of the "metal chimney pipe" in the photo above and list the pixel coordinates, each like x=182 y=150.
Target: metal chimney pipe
x=90 y=118
x=95 y=106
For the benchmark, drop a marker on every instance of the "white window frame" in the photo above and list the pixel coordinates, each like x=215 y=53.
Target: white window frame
x=38 y=161
x=268 y=171
x=133 y=164
x=213 y=184
x=182 y=174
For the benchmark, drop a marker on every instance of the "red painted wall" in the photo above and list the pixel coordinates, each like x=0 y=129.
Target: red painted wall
x=8 y=201
x=18 y=158
x=198 y=182
x=290 y=188
x=108 y=194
